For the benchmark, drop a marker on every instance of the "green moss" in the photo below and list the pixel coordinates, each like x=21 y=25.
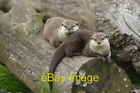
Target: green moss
x=135 y=78
x=46 y=89
x=55 y=89
x=9 y=82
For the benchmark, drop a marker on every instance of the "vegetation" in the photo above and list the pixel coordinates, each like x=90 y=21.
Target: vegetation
x=135 y=78
x=46 y=89
x=8 y=82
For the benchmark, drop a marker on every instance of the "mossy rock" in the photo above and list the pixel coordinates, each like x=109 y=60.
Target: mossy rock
x=112 y=79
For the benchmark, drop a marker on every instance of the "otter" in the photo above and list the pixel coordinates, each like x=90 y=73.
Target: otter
x=72 y=46
x=57 y=29
x=98 y=45
x=82 y=43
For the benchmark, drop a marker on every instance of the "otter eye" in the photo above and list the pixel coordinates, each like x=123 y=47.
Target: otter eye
x=73 y=26
x=77 y=24
x=102 y=39
x=64 y=25
x=95 y=39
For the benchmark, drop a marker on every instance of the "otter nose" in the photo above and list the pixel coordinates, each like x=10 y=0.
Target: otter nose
x=69 y=28
x=99 y=42
x=69 y=33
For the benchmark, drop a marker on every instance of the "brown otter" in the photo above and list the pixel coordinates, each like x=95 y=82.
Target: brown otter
x=57 y=29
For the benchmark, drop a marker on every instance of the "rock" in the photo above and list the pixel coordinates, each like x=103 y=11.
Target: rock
x=111 y=78
x=24 y=18
x=125 y=51
x=137 y=66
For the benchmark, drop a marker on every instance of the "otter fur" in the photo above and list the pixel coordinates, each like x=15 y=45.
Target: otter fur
x=57 y=29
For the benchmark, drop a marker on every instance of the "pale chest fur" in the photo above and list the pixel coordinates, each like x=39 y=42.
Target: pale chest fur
x=62 y=33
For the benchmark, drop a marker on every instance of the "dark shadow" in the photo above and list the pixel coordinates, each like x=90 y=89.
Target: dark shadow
x=5 y=5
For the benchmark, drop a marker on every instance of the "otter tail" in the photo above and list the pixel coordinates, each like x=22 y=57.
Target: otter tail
x=57 y=58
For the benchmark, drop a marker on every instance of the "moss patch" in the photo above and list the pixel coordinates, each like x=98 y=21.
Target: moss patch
x=135 y=78
x=9 y=82
x=45 y=88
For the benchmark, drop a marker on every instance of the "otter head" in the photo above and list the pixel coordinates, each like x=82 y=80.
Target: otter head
x=67 y=28
x=70 y=26
x=99 y=43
